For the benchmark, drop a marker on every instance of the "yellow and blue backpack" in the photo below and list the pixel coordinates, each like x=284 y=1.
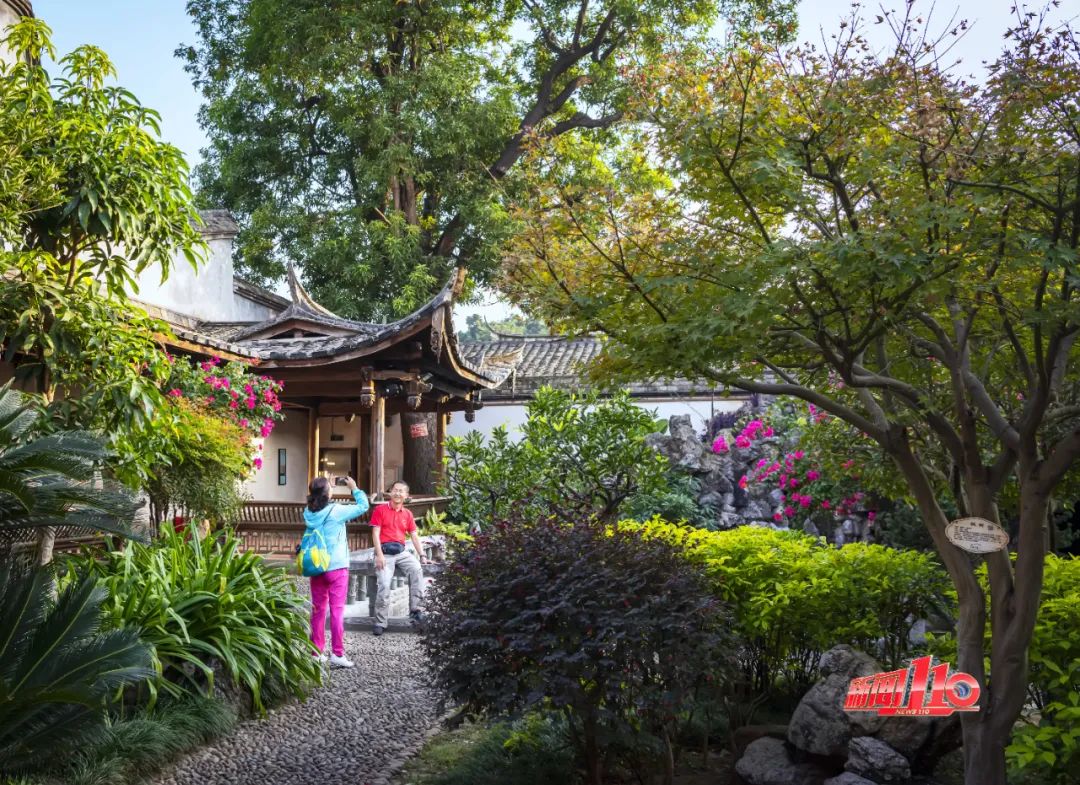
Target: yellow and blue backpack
x=313 y=555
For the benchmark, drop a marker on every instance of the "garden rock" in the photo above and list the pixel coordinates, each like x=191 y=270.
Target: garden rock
x=872 y=757
x=767 y=761
x=848 y=778
x=820 y=725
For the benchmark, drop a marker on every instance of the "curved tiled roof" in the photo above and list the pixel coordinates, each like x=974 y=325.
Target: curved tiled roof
x=350 y=339
x=534 y=361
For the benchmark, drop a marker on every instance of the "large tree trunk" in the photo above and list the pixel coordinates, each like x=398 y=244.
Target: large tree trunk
x=46 y=542
x=421 y=467
x=1013 y=608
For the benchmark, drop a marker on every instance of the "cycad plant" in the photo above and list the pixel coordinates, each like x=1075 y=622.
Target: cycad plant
x=57 y=670
x=49 y=480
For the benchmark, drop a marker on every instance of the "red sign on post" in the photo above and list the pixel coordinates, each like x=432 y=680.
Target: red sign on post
x=418 y=430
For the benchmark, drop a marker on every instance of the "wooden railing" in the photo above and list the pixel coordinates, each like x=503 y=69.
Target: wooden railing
x=275 y=528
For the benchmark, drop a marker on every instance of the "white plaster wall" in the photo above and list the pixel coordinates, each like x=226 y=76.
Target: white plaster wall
x=206 y=293
x=393 y=458
x=7 y=17
x=513 y=415
x=394 y=463
x=245 y=310
x=291 y=434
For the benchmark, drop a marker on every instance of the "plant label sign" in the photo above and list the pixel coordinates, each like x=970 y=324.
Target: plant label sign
x=418 y=430
x=977 y=535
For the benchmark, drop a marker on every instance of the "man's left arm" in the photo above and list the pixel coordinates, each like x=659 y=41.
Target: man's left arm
x=416 y=544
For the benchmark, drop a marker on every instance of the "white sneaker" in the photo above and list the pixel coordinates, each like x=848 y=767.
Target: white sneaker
x=318 y=657
x=341 y=662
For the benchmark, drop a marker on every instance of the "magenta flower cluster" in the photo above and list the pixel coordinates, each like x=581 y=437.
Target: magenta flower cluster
x=231 y=392
x=794 y=473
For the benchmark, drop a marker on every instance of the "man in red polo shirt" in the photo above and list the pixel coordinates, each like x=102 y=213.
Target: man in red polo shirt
x=390 y=525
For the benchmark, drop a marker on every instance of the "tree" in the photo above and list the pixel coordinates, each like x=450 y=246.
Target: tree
x=578 y=455
x=877 y=237
x=480 y=329
x=370 y=142
x=89 y=198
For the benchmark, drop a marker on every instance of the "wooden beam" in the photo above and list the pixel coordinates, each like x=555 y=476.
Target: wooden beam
x=378 y=445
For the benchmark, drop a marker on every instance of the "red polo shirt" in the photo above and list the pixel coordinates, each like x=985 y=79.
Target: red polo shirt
x=394 y=525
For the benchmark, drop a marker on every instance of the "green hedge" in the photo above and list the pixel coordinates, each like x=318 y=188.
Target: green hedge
x=793 y=598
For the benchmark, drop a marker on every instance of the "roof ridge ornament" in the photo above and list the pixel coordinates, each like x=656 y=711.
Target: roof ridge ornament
x=299 y=295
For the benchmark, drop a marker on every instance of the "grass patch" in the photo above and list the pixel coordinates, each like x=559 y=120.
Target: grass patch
x=532 y=751
x=136 y=747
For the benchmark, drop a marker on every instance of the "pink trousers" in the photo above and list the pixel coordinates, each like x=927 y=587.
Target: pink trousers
x=331 y=586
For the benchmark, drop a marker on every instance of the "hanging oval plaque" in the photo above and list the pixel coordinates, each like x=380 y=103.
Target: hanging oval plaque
x=977 y=535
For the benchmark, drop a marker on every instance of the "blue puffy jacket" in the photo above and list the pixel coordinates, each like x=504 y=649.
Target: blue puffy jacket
x=331 y=522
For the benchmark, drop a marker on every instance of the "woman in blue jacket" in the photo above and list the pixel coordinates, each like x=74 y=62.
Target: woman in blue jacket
x=332 y=585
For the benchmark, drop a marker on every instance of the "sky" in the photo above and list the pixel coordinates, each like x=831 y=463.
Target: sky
x=140 y=37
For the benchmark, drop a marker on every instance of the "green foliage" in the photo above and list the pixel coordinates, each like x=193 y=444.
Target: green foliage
x=477 y=328
x=439 y=523
x=48 y=481
x=1050 y=747
x=209 y=457
x=202 y=604
x=370 y=142
x=130 y=748
x=577 y=454
x=611 y=629
x=89 y=198
x=532 y=751
x=57 y=669
x=676 y=501
x=794 y=598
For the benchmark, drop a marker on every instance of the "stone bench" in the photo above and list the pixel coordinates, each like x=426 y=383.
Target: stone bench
x=363 y=584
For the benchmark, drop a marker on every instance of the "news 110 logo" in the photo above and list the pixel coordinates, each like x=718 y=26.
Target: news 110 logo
x=910 y=692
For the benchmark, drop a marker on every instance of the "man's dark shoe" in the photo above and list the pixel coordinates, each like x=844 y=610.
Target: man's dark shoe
x=378 y=630
x=417 y=617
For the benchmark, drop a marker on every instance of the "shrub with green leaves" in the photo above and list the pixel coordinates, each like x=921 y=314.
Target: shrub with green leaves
x=609 y=628
x=201 y=603
x=58 y=670
x=793 y=598
x=577 y=454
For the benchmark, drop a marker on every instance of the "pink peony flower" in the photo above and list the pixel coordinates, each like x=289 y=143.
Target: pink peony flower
x=743 y=482
x=762 y=463
x=825 y=505
x=812 y=475
x=258 y=463
x=871 y=515
x=789 y=511
x=799 y=454
x=233 y=404
x=767 y=432
x=777 y=517
x=742 y=442
x=719 y=445
x=243 y=423
x=805 y=501
x=176 y=393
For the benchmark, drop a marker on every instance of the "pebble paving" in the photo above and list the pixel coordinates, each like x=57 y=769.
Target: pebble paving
x=357 y=729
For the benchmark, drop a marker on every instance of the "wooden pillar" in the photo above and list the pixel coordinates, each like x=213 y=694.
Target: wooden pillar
x=378 y=445
x=313 y=443
x=440 y=446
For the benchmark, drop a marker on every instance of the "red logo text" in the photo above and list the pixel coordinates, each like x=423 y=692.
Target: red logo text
x=905 y=692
